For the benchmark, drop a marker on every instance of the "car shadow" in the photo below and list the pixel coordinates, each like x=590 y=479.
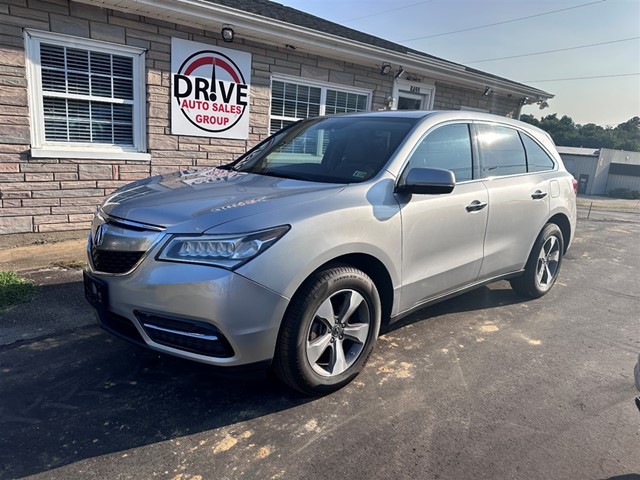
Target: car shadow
x=627 y=476
x=84 y=393
x=489 y=296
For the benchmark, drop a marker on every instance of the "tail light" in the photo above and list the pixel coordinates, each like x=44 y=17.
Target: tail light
x=575 y=185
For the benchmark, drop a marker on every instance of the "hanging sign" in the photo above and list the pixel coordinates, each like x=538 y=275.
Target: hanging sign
x=209 y=90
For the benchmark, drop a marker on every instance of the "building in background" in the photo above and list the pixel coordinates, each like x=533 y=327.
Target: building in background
x=603 y=171
x=95 y=94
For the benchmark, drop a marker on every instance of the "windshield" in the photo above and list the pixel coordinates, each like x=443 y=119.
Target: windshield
x=331 y=149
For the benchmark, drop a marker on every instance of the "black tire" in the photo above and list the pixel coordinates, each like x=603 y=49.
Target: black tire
x=543 y=265
x=311 y=322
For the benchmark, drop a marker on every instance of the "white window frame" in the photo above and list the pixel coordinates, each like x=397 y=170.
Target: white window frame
x=324 y=86
x=40 y=147
x=426 y=90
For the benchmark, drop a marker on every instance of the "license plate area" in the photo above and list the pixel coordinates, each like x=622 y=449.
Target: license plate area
x=96 y=292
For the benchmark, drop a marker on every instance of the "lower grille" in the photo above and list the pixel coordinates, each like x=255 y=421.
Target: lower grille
x=122 y=327
x=113 y=261
x=188 y=335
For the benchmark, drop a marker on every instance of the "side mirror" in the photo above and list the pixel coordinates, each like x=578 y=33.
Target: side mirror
x=428 y=181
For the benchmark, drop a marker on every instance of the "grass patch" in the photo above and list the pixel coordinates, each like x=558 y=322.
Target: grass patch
x=628 y=206
x=15 y=290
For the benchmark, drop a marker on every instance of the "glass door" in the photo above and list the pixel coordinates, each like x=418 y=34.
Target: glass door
x=410 y=101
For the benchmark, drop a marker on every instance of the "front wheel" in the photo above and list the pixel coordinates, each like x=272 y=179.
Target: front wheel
x=328 y=331
x=543 y=265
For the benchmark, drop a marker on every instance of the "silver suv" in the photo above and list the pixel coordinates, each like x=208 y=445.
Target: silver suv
x=293 y=255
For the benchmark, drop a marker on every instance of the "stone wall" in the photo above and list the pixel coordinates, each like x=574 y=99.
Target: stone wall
x=60 y=194
x=453 y=97
x=55 y=194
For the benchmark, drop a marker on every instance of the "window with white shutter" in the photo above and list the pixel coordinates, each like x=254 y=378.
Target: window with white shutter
x=293 y=100
x=345 y=102
x=87 y=97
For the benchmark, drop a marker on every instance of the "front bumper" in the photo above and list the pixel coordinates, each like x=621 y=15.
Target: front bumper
x=244 y=315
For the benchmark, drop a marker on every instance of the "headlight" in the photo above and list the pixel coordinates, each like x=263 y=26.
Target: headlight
x=228 y=251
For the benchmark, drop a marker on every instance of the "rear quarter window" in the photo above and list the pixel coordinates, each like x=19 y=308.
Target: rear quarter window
x=537 y=159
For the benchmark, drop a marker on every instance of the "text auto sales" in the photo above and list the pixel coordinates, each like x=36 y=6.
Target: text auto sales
x=197 y=94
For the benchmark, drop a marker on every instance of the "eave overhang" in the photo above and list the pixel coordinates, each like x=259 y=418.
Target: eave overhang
x=211 y=17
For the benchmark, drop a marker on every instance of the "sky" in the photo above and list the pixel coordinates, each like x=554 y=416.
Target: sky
x=613 y=24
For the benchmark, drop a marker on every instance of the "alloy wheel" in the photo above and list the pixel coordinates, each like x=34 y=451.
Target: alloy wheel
x=338 y=333
x=548 y=262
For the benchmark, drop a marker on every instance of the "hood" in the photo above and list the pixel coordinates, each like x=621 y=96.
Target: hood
x=197 y=200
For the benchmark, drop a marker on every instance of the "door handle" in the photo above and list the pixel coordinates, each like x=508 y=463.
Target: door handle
x=537 y=195
x=475 y=206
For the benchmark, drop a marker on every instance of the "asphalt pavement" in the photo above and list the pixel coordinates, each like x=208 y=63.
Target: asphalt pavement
x=488 y=385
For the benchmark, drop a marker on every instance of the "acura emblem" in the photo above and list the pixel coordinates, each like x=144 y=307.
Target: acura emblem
x=98 y=238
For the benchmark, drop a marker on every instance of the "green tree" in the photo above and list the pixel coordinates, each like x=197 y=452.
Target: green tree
x=592 y=136
x=627 y=135
x=565 y=132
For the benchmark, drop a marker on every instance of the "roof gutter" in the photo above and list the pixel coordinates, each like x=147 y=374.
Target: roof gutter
x=211 y=16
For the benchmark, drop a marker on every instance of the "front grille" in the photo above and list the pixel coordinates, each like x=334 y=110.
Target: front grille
x=191 y=336
x=113 y=261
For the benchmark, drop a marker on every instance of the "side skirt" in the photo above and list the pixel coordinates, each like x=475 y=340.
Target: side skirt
x=453 y=293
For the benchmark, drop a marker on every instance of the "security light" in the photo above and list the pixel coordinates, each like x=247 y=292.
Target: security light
x=227 y=34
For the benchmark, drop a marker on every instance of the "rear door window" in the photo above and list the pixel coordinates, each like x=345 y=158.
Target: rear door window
x=501 y=150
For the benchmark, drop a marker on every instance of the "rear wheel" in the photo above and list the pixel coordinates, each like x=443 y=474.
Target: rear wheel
x=329 y=331
x=543 y=265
